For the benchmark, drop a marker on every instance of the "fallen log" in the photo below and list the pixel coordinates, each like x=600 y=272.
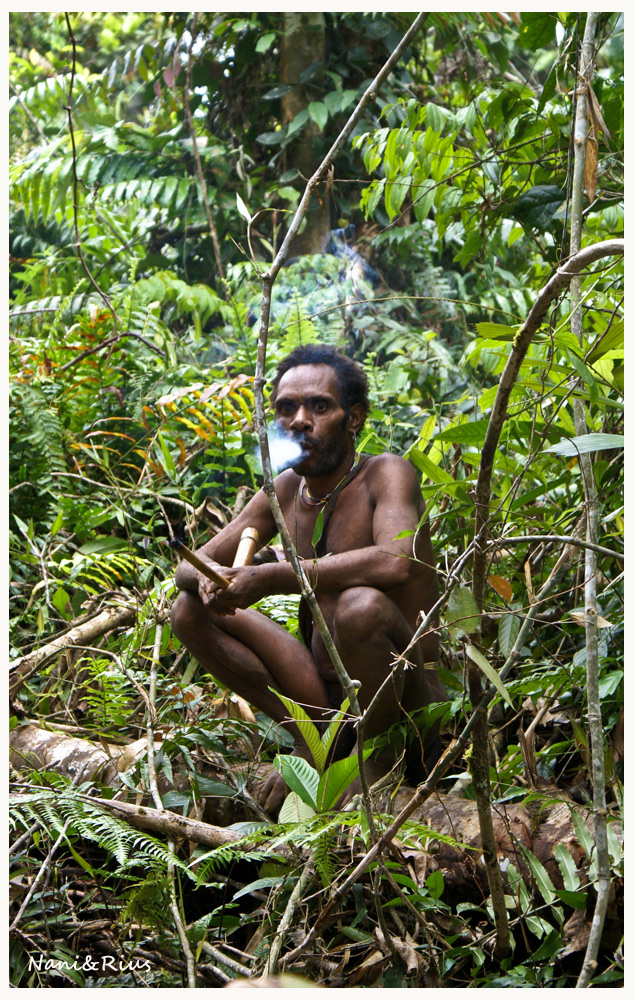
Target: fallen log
x=168 y=824
x=84 y=633
x=45 y=750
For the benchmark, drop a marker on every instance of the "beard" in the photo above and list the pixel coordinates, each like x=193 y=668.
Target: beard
x=321 y=457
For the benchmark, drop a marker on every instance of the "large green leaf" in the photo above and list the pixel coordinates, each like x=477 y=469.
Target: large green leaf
x=472 y=432
x=612 y=340
x=299 y=776
x=538 y=870
x=334 y=726
x=567 y=867
x=537 y=29
x=319 y=113
x=336 y=779
x=496 y=331
x=508 y=629
x=294 y=810
x=587 y=442
x=463 y=615
x=537 y=207
x=307 y=727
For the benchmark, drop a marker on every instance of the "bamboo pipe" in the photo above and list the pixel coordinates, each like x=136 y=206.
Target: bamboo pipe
x=244 y=554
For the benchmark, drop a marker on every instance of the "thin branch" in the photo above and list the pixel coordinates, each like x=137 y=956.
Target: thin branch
x=594 y=709
x=46 y=864
x=564 y=539
x=108 y=343
x=287 y=917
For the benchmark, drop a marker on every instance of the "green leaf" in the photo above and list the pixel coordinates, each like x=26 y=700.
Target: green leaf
x=463 y=615
x=273 y=95
x=537 y=30
x=567 y=867
x=242 y=208
x=167 y=457
x=60 y=600
x=473 y=245
x=477 y=657
x=471 y=432
x=319 y=113
x=585 y=373
x=537 y=207
x=539 y=872
x=334 y=726
x=265 y=42
x=294 y=810
x=104 y=544
x=508 y=629
x=296 y=124
x=308 y=729
x=270 y=138
x=586 y=443
x=318 y=529
x=496 y=331
x=336 y=779
x=582 y=833
x=299 y=776
x=260 y=883
x=435 y=884
x=433 y=471
x=613 y=340
x=577 y=900
x=549 y=87
x=436 y=117
x=57 y=523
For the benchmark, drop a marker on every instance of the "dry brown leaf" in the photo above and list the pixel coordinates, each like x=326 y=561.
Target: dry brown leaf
x=501 y=586
x=591 y=167
x=579 y=618
x=530 y=587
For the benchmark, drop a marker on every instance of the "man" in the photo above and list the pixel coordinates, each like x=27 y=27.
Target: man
x=369 y=583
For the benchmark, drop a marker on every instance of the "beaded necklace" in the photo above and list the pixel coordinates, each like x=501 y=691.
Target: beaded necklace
x=312 y=501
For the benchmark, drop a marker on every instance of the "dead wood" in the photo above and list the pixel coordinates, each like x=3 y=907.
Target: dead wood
x=33 y=747
x=168 y=824
x=84 y=633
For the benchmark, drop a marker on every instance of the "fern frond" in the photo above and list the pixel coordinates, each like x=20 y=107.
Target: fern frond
x=42 y=429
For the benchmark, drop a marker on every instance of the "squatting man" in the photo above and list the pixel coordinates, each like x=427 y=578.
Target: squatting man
x=370 y=583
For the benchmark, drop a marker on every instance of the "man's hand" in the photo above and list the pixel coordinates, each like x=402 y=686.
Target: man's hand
x=246 y=588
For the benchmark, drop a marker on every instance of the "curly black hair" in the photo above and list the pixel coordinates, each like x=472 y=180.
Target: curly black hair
x=351 y=378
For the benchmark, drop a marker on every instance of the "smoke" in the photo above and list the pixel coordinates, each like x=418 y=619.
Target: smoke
x=284 y=450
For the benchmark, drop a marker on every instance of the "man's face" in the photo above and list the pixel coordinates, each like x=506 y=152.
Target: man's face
x=309 y=409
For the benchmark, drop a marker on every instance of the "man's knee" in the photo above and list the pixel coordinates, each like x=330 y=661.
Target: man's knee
x=362 y=612
x=185 y=616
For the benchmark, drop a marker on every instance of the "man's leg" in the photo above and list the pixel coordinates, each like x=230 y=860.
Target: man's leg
x=369 y=631
x=249 y=653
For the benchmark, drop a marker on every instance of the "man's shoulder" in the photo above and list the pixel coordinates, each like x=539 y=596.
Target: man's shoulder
x=388 y=464
x=286 y=483
x=392 y=475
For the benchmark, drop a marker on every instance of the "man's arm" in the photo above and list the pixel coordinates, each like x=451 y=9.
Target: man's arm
x=386 y=564
x=220 y=551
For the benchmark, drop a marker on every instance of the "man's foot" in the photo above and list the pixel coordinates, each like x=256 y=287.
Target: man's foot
x=271 y=792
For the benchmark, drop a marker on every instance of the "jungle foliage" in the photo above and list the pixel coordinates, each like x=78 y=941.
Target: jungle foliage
x=155 y=161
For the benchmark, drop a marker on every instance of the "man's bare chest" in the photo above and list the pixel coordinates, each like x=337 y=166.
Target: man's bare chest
x=350 y=525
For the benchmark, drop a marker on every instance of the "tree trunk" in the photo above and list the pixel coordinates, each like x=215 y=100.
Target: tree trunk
x=303 y=43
